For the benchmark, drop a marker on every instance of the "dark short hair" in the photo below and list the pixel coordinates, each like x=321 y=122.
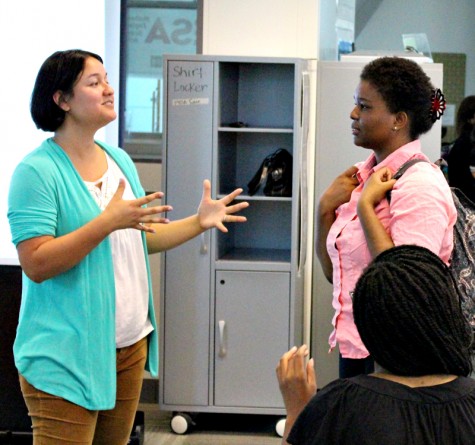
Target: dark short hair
x=465 y=112
x=407 y=310
x=59 y=72
x=405 y=87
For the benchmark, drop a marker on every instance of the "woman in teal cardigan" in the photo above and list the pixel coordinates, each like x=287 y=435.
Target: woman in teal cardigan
x=79 y=219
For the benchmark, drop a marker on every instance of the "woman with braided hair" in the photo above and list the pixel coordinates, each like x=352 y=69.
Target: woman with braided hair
x=395 y=103
x=407 y=312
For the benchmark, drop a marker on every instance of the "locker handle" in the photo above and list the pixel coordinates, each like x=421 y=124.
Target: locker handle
x=203 y=244
x=222 y=347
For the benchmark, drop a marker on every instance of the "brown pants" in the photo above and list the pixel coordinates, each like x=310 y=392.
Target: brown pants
x=57 y=421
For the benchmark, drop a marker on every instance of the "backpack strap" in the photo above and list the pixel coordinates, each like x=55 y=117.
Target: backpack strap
x=401 y=170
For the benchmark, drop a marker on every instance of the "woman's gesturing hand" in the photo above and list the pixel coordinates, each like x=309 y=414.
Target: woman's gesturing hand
x=214 y=213
x=125 y=214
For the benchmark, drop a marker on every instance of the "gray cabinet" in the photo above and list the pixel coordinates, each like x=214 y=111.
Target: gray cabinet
x=231 y=303
x=251 y=332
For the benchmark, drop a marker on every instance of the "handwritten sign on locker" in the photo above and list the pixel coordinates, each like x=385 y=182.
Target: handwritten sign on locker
x=189 y=83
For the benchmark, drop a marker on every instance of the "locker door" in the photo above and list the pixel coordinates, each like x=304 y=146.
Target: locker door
x=186 y=306
x=251 y=334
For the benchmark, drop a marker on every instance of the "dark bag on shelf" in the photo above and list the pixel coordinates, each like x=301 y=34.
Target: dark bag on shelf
x=276 y=172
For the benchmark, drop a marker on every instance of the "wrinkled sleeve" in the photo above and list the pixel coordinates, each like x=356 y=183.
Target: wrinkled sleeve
x=422 y=211
x=32 y=209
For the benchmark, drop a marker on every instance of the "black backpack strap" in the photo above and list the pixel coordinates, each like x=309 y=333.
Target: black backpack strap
x=401 y=170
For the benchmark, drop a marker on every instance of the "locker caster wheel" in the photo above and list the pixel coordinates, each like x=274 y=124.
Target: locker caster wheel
x=280 y=427
x=181 y=423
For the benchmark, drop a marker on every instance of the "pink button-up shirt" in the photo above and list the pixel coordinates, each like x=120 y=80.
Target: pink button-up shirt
x=422 y=212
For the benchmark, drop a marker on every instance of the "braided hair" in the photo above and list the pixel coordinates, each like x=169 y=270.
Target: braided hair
x=407 y=310
x=405 y=87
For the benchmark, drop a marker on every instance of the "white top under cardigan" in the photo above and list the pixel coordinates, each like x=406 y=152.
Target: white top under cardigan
x=130 y=273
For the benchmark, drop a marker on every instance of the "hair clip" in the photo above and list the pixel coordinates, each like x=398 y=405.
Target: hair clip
x=438 y=104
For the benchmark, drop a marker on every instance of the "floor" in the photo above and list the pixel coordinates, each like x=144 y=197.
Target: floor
x=210 y=429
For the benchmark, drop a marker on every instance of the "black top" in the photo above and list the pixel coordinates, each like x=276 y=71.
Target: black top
x=459 y=159
x=366 y=410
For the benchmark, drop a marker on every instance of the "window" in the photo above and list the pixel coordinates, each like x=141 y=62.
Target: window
x=150 y=29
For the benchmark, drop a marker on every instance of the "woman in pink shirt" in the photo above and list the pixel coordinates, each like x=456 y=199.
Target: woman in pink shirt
x=395 y=103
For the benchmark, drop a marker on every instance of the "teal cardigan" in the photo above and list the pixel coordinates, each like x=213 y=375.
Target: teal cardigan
x=65 y=342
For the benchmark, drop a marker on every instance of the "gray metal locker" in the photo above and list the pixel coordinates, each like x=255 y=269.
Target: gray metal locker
x=231 y=304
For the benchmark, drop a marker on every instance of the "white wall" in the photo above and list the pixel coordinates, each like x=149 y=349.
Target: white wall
x=449 y=26
x=29 y=33
x=271 y=28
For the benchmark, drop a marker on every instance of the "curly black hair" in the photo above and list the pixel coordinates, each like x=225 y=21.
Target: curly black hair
x=405 y=87
x=407 y=310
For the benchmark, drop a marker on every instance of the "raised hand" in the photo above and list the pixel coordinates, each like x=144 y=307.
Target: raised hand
x=377 y=186
x=339 y=191
x=125 y=214
x=214 y=213
x=297 y=380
